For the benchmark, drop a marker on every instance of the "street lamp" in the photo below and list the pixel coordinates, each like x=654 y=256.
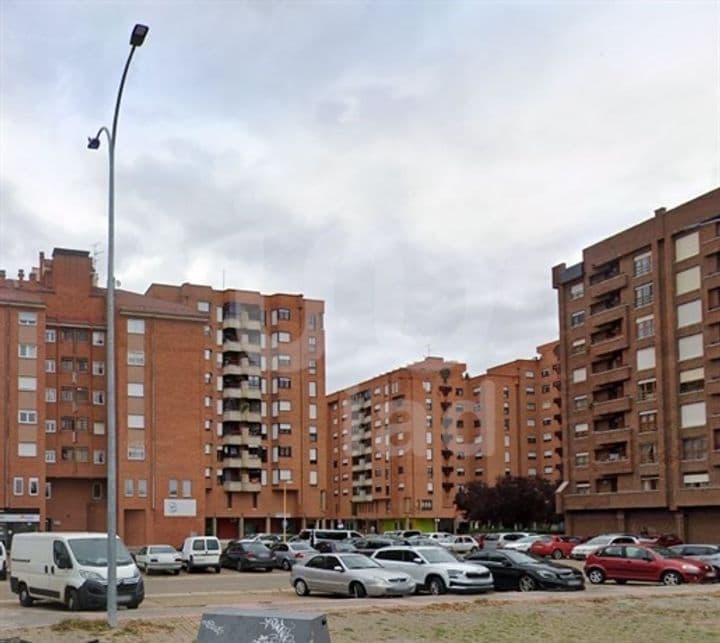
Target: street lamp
x=136 y=40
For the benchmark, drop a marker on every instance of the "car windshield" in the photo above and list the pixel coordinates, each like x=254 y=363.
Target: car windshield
x=664 y=552
x=358 y=561
x=300 y=547
x=344 y=547
x=93 y=552
x=438 y=555
x=599 y=540
x=528 y=539
x=162 y=549
x=255 y=548
x=521 y=558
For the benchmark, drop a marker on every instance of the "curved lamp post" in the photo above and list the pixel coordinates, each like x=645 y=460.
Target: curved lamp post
x=136 y=40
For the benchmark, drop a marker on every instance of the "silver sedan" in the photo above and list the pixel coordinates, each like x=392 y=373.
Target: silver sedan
x=159 y=558
x=349 y=574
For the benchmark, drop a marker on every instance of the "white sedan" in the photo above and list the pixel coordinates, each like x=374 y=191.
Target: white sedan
x=459 y=544
x=159 y=558
x=523 y=544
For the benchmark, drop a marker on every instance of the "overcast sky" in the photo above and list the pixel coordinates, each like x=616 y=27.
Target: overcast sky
x=420 y=166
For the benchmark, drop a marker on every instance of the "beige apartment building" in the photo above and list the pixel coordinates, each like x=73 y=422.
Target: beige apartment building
x=220 y=407
x=640 y=368
x=402 y=444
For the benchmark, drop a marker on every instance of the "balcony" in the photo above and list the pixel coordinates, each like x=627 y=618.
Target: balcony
x=363 y=466
x=447 y=486
x=241 y=486
x=618 y=405
x=609 y=345
x=712 y=351
x=712 y=315
x=244 y=461
x=362 y=481
x=608 y=285
x=244 y=438
x=713 y=386
x=714 y=457
x=446 y=453
x=447 y=469
x=242 y=322
x=245 y=367
x=611 y=436
x=615 y=465
x=609 y=314
x=242 y=346
x=251 y=417
x=362 y=497
x=242 y=393
x=618 y=374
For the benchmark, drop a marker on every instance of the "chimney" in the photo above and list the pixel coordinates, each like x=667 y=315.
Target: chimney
x=660 y=211
x=2 y=277
x=21 y=274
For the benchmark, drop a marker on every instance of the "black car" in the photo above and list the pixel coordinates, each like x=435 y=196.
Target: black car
x=332 y=546
x=369 y=545
x=246 y=555
x=524 y=572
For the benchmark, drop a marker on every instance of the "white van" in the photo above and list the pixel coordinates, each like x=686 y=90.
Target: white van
x=201 y=552
x=71 y=568
x=313 y=535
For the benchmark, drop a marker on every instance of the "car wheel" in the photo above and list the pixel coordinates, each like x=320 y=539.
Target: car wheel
x=357 y=590
x=301 y=588
x=556 y=554
x=240 y=566
x=621 y=581
x=286 y=565
x=217 y=569
x=436 y=585
x=473 y=550
x=527 y=584
x=3 y=573
x=72 y=600
x=596 y=576
x=25 y=599
x=132 y=606
x=671 y=578
x=176 y=572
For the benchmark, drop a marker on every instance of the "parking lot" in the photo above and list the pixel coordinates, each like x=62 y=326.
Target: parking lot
x=175 y=604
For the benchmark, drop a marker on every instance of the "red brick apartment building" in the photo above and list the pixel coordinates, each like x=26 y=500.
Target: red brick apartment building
x=402 y=444
x=640 y=366
x=218 y=402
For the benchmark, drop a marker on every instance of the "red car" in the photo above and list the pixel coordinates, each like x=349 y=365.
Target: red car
x=555 y=546
x=622 y=563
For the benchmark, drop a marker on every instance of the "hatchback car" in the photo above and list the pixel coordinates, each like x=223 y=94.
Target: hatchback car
x=371 y=544
x=245 y=555
x=517 y=570
x=459 y=544
x=435 y=569
x=159 y=558
x=554 y=546
x=350 y=574
x=706 y=553
x=499 y=539
x=623 y=563
x=287 y=554
x=522 y=544
x=583 y=550
x=3 y=561
x=333 y=546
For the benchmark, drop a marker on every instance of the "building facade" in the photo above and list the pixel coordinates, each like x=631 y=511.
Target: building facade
x=640 y=369
x=218 y=407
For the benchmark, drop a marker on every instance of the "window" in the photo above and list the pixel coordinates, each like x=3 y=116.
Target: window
x=312 y=367
x=649 y=483
x=81 y=454
x=66 y=394
x=581 y=429
x=97 y=491
x=27 y=351
x=50 y=426
x=646 y=358
x=313 y=456
x=26 y=318
x=187 y=488
x=577 y=319
x=203 y=306
x=98 y=398
x=642 y=264
x=696 y=480
x=687 y=246
x=27 y=416
x=687 y=280
x=694 y=448
x=690 y=347
x=136 y=358
x=136 y=389
x=82 y=365
x=645 y=326
x=50 y=456
x=579 y=375
x=136 y=452
x=136 y=421
x=692 y=415
x=577 y=347
x=129 y=487
x=99 y=456
x=312 y=389
x=582 y=488
x=580 y=402
x=98 y=428
x=648 y=421
x=646 y=389
x=577 y=290
x=312 y=343
x=648 y=453
x=50 y=395
x=582 y=459
x=98 y=338
x=136 y=326
x=689 y=313
x=172 y=488
x=98 y=368
x=50 y=335
x=280 y=337
x=643 y=295
x=692 y=380
x=18 y=486
x=279 y=314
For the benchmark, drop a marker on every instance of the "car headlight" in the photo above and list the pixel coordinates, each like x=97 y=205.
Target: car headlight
x=378 y=580
x=88 y=574
x=454 y=573
x=548 y=575
x=136 y=572
x=691 y=568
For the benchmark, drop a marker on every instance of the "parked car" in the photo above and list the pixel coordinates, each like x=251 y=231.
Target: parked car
x=333 y=546
x=435 y=569
x=518 y=570
x=3 y=561
x=439 y=535
x=522 y=544
x=707 y=553
x=459 y=544
x=583 y=550
x=269 y=540
x=663 y=540
x=554 y=546
x=623 y=563
x=373 y=543
x=159 y=558
x=201 y=552
x=245 y=555
x=313 y=535
x=498 y=540
x=286 y=555
x=351 y=574
x=402 y=533
x=422 y=541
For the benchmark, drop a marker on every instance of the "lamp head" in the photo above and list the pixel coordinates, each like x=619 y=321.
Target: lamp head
x=93 y=142
x=137 y=37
